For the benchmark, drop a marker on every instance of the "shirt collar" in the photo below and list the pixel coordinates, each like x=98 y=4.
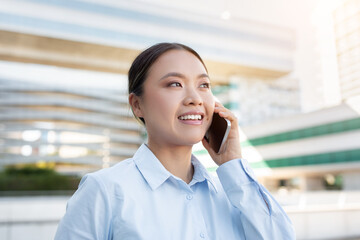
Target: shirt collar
x=201 y=174
x=150 y=167
x=156 y=174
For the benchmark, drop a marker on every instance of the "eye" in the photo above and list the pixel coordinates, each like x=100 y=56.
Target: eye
x=175 y=84
x=205 y=85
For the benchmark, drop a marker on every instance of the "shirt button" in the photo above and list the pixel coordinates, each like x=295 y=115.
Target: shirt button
x=202 y=235
x=189 y=197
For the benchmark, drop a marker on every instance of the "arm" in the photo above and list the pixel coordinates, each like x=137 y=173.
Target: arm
x=88 y=214
x=261 y=215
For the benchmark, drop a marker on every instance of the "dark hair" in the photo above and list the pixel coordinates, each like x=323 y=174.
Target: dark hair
x=139 y=69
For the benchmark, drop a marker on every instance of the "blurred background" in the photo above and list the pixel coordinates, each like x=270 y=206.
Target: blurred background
x=289 y=69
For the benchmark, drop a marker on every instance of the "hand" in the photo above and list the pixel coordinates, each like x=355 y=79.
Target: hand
x=232 y=148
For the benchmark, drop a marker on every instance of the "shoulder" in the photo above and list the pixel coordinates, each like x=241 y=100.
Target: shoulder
x=117 y=174
x=120 y=179
x=116 y=171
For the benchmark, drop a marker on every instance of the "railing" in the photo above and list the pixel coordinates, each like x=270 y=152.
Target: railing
x=323 y=215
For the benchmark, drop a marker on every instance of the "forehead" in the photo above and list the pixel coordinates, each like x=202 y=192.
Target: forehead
x=180 y=61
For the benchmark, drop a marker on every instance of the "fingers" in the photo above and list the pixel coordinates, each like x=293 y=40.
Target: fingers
x=228 y=115
x=224 y=112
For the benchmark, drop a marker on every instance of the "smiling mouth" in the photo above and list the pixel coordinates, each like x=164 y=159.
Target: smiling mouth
x=191 y=117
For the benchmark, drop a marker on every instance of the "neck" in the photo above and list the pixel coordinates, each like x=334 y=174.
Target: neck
x=176 y=159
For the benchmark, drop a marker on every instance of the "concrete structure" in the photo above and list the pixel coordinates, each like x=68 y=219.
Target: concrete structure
x=319 y=148
x=260 y=70
x=288 y=69
x=105 y=37
x=305 y=149
x=44 y=122
x=347 y=31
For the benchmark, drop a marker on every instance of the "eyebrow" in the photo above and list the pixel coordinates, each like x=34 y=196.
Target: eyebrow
x=179 y=75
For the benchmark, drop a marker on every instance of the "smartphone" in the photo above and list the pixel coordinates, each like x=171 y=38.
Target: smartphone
x=217 y=133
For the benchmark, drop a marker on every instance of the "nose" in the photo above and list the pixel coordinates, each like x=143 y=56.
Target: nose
x=193 y=98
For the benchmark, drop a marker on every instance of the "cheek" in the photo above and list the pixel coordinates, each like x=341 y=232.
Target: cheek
x=159 y=105
x=209 y=100
x=164 y=101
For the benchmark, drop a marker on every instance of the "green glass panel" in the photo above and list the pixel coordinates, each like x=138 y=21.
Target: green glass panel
x=326 y=129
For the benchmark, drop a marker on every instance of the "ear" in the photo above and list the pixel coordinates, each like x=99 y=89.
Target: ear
x=135 y=104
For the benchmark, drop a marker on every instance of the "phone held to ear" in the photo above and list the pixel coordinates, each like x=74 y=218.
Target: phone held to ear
x=217 y=133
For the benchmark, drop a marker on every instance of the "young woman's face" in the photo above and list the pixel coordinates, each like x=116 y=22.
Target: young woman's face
x=177 y=103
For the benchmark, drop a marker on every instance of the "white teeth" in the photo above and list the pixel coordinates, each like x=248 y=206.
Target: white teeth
x=191 y=117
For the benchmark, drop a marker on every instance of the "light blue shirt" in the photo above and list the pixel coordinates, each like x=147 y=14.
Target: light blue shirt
x=139 y=199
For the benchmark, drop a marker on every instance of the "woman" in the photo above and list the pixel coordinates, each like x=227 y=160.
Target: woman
x=164 y=192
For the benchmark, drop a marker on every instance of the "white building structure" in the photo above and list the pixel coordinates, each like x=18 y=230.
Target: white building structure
x=263 y=64
x=288 y=69
x=105 y=36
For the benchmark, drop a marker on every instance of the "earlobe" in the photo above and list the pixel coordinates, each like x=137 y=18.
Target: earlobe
x=134 y=102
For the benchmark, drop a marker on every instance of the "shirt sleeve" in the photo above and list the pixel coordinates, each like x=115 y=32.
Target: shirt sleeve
x=261 y=215
x=88 y=214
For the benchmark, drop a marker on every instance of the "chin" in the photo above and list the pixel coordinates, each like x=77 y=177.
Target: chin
x=190 y=138
x=191 y=142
